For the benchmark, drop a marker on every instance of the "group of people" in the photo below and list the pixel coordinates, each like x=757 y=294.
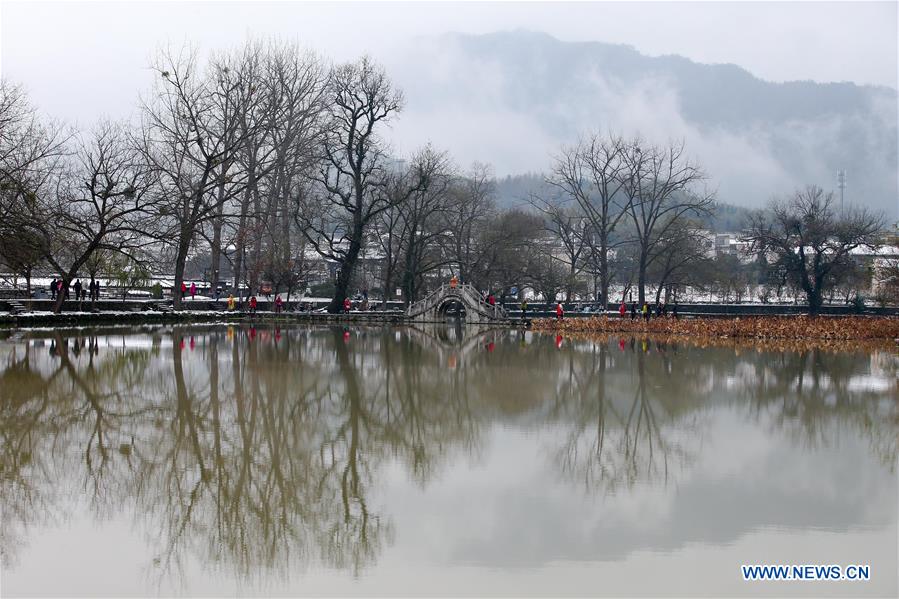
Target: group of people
x=253 y=303
x=646 y=312
x=58 y=287
x=659 y=311
x=192 y=290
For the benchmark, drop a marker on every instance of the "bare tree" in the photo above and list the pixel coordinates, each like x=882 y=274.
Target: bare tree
x=593 y=174
x=98 y=202
x=659 y=184
x=354 y=173
x=471 y=205
x=31 y=149
x=678 y=251
x=567 y=224
x=812 y=239
x=190 y=135
x=421 y=217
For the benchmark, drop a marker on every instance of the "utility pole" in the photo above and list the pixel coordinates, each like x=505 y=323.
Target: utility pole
x=841 y=183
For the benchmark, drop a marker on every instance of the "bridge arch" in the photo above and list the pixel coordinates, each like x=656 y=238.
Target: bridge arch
x=432 y=308
x=447 y=303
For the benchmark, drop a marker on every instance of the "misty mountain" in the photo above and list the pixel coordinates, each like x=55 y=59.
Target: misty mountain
x=512 y=98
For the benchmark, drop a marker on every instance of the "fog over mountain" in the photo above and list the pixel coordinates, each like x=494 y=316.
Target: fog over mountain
x=511 y=99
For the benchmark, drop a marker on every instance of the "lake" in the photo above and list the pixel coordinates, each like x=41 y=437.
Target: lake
x=242 y=460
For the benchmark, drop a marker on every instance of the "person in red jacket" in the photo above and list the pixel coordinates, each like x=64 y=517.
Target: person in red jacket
x=622 y=309
x=253 y=304
x=279 y=303
x=347 y=305
x=560 y=313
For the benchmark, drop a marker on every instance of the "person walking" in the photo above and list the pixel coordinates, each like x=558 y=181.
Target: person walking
x=622 y=309
x=674 y=311
x=231 y=302
x=183 y=290
x=560 y=312
x=65 y=290
x=278 y=304
x=193 y=291
x=347 y=305
x=633 y=310
x=658 y=310
x=53 y=289
x=97 y=290
x=77 y=287
x=646 y=312
x=524 y=308
x=454 y=282
x=252 y=304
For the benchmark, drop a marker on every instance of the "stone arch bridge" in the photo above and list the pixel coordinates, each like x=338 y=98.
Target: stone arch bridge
x=434 y=306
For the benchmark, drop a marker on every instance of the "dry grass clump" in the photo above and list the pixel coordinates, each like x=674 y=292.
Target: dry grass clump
x=827 y=328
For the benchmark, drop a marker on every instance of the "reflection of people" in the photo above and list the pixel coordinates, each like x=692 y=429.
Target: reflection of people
x=559 y=341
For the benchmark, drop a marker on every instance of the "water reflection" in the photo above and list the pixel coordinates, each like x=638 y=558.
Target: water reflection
x=264 y=450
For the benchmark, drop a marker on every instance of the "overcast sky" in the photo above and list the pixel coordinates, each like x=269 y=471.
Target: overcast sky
x=83 y=59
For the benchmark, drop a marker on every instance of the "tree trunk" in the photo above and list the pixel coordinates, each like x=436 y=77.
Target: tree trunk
x=60 y=296
x=180 y=262
x=346 y=271
x=815 y=300
x=240 y=245
x=641 y=279
x=215 y=252
x=604 y=276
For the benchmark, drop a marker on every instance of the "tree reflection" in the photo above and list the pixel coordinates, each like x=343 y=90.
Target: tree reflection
x=815 y=395
x=264 y=449
x=631 y=419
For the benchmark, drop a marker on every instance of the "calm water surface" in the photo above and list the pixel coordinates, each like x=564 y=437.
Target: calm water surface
x=220 y=460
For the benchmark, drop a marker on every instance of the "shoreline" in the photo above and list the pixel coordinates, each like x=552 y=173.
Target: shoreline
x=69 y=319
x=750 y=328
